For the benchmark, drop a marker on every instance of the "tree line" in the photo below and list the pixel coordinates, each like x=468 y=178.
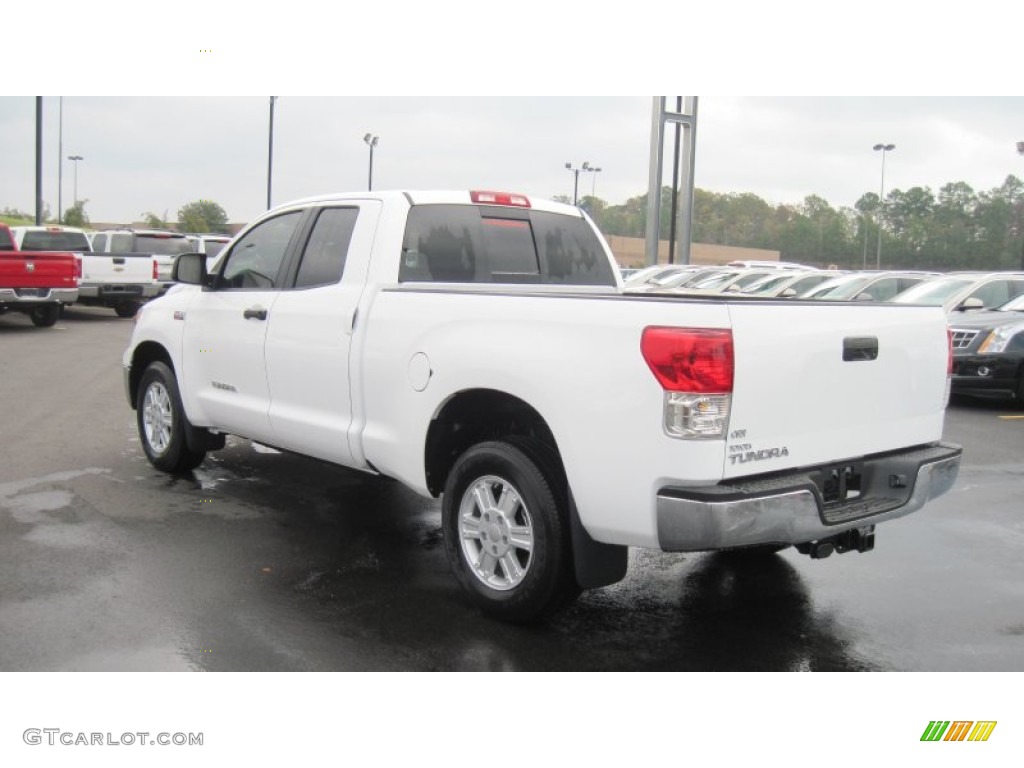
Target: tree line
x=956 y=229
x=197 y=216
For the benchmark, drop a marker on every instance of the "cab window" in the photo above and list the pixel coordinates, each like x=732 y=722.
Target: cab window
x=255 y=261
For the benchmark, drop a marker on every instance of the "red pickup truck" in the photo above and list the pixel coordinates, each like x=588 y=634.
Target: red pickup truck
x=37 y=283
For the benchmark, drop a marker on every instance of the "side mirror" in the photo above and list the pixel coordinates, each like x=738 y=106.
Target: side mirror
x=970 y=304
x=190 y=269
x=864 y=297
x=789 y=293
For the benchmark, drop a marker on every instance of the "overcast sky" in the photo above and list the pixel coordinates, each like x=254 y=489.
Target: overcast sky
x=493 y=115
x=158 y=153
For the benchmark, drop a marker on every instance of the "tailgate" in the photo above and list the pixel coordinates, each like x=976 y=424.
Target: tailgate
x=823 y=382
x=117 y=268
x=38 y=270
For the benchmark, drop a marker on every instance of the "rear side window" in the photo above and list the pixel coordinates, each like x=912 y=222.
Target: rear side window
x=323 y=261
x=6 y=242
x=477 y=244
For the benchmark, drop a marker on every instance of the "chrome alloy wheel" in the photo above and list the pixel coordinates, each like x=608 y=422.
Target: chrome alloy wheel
x=157 y=417
x=496 y=532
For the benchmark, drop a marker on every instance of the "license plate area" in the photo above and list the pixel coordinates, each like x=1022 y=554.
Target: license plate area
x=840 y=483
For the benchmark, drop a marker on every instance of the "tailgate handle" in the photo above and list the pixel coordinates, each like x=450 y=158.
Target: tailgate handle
x=118 y=259
x=860 y=348
x=255 y=313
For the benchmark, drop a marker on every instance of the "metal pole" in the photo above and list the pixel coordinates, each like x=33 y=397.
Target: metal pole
x=369 y=184
x=576 y=186
x=270 y=151
x=60 y=163
x=39 y=160
x=881 y=200
x=654 y=180
x=675 y=188
x=685 y=227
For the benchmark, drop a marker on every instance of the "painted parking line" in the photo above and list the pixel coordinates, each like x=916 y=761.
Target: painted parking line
x=1011 y=418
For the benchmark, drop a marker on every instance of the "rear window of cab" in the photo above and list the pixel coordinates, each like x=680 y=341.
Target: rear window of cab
x=485 y=244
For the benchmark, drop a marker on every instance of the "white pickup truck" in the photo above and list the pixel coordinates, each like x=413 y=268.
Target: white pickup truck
x=477 y=346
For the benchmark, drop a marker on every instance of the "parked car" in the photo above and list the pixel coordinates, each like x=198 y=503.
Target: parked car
x=680 y=277
x=158 y=245
x=651 y=278
x=37 y=283
x=867 y=286
x=766 y=264
x=988 y=351
x=727 y=282
x=966 y=291
x=787 y=283
x=119 y=280
x=209 y=244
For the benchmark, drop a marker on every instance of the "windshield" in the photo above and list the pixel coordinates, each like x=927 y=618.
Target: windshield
x=847 y=290
x=162 y=245
x=933 y=292
x=1013 y=305
x=765 y=284
x=59 y=240
x=820 y=290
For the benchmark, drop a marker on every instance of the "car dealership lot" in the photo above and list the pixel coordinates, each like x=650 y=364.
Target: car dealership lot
x=264 y=561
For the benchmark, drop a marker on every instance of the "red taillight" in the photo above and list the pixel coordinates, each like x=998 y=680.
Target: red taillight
x=949 y=351
x=500 y=198
x=78 y=267
x=156 y=270
x=697 y=360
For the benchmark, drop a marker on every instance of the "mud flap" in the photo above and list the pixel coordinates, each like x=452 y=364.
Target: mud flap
x=596 y=564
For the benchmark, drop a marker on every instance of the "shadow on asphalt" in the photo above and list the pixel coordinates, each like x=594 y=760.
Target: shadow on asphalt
x=362 y=559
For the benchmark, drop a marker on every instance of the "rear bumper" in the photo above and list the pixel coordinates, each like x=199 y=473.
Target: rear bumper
x=791 y=509
x=15 y=296
x=996 y=375
x=108 y=294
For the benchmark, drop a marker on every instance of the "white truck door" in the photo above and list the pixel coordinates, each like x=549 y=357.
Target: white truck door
x=226 y=328
x=309 y=336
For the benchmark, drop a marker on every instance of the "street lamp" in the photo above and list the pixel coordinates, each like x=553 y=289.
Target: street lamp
x=371 y=142
x=593 y=179
x=883 y=148
x=75 y=159
x=585 y=168
x=270 y=150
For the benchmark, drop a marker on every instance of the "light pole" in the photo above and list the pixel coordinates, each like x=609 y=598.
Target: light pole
x=593 y=179
x=371 y=142
x=75 y=159
x=883 y=148
x=585 y=168
x=270 y=150
x=1020 y=151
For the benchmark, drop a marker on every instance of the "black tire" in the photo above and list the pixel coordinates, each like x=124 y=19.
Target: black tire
x=44 y=315
x=162 y=423
x=525 y=584
x=127 y=308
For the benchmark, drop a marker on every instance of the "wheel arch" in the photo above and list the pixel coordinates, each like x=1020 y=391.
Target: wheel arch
x=146 y=353
x=477 y=415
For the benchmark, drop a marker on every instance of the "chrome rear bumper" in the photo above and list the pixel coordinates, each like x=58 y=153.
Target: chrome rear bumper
x=790 y=509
